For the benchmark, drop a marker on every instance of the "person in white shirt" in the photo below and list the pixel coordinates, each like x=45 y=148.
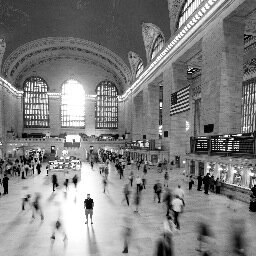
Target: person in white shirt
x=139 y=183
x=180 y=193
x=177 y=206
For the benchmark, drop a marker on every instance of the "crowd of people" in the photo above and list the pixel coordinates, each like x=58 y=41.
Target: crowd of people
x=23 y=167
x=135 y=174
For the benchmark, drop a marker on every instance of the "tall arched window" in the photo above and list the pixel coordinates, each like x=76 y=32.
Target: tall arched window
x=36 y=103
x=106 y=109
x=139 y=69
x=188 y=8
x=158 y=45
x=72 y=104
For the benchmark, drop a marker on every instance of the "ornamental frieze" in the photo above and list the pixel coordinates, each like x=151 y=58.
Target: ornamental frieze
x=134 y=60
x=76 y=46
x=174 y=7
x=150 y=32
x=33 y=64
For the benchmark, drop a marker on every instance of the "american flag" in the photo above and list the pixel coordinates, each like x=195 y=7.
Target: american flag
x=180 y=101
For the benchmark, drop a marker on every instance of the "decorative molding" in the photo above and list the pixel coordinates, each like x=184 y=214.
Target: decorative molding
x=9 y=88
x=2 y=50
x=150 y=32
x=44 y=48
x=32 y=64
x=250 y=25
x=249 y=69
x=174 y=7
x=134 y=60
x=196 y=92
x=199 y=18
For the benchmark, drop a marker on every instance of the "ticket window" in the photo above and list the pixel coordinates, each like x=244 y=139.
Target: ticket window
x=192 y=167
x=201 y=168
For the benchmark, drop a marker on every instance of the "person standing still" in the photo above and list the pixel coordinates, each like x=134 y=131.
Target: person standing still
x=191 y=182
x=5 y=184
x=218 y=185
x=88 y=206
x=206 y=181
x=199 y=182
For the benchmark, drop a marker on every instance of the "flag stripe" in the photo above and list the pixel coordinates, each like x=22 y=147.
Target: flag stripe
x=180 y=101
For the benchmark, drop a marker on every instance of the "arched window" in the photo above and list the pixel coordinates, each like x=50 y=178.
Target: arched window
x=106 y=110
x=72 y=104
x=158 y=45
x=36 y=104
x=139 y=69
x=188 y=8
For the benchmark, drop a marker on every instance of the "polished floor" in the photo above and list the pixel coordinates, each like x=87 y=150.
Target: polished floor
x=22 y=236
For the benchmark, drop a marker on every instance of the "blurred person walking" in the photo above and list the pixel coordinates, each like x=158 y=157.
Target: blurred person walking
x=238 y=240
x=180 y=193
x=144 y=180
x=158 y=191
x=164 y=245
x=75 y=181
x=137 y=199
x=177 y=207
x=139 y=183
x=205 y=238
x=54 y=182
x=126 y=193
x=127 y=232
x=58 y=228
x=131 y=176
x=25 y=200
x=36 y=207
x=166 y=178
x=167 y=198
x=105 y=184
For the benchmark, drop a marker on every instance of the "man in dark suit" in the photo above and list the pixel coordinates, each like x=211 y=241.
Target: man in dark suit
x=206 y=181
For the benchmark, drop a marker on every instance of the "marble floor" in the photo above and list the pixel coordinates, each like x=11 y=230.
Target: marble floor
x=22 y=236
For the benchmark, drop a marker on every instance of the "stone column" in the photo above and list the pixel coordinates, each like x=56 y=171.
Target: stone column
x=179 y=141
x=222 y=76
x=137 y=114
x=19 y=115
x=55 y=114
x=90 y=117
x=1 y=113
x=153 y=112
x=128 y=107
x=167 y=78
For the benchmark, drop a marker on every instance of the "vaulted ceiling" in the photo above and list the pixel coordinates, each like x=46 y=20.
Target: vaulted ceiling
x=114 y=24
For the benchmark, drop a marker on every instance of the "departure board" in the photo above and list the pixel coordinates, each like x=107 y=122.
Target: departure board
x=232 y=145
x=201 y=145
